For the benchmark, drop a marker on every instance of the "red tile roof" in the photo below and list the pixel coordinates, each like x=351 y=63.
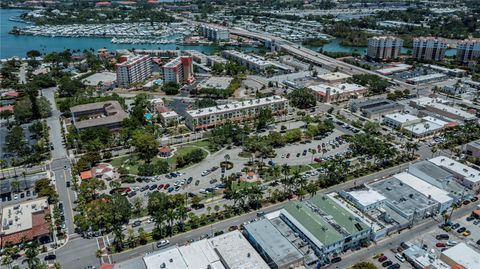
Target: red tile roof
x=39 y=227
x=86 y=174
x=6 y=108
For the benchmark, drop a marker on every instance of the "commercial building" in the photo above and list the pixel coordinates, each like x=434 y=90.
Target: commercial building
x=473 y=148
x=325 y=224
x=440 y=178
x=404 y=200
x=428 y=126
x=277 y=250
x=214 y=33
x=384 y=47
x=364 y=199
x=26 y=220
x=465 y=175
x=235 y=251
x=448 y=71
x=440 y=196
x=450 y=112
x=230 y=250
x=420 y=258
x=235 y=112
x=108 y=114
x=132 y=69
x=333 y=78
x=468 y=50
x=427 y=78
x=461 y=255
x=400 y=120
x=339 y=93
x=429 y=48
x=251 y=62
x=376 y=108
x=394 y=69
x=179 y=70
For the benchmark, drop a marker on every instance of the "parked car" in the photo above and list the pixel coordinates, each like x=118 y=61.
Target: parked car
x=461 y=230
x=387 y=263
x=474 y=199
x=400 y=257
x=162 y=243
x=442 y=237
x=50 y=257
x=382 y=259
x=136 y=223
x=189 y=180
x=153 y=187
x=235 y=227
x=197 y=182
x=467 y=233
x=440 y=245
x=336 y=259
x=394 y=266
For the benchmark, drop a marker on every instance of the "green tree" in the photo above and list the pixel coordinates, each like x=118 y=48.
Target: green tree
x=302 y=98
x=31 y=254
x=145 y=144
x=264 y=118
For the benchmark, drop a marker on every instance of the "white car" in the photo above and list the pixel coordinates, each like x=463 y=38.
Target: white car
x=451 y=243
x=162 y=243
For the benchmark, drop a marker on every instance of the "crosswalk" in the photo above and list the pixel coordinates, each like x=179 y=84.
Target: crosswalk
x=102 y=243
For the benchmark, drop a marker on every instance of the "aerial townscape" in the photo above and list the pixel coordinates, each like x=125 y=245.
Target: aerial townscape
x=241 y=134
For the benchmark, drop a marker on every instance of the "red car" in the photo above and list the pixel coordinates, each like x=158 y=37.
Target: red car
x=440 y=245
x=466 y=202
x=317 y=160
x=166 y=186
x=382 y=259
x=160 y=186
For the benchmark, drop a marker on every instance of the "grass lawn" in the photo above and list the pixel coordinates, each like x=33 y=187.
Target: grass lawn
x=129 y=162
x=240 y=185
x=300 y=168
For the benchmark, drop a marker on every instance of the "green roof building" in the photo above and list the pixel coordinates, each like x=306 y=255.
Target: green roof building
x=326 y=224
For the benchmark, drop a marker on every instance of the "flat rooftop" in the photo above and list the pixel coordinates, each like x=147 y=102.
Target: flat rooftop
x=349 y=222
x=236 y=106
x=169 y=114
x=405 y=198
x=401 y=117
x=273 y=243
x=458 y=168
x=393 y=69
x=463 y=255
x=18 y=217
x=431 y=170
x=377 y=105
x=427 y=77
x=367 y=197
x=311 y=224
x=453 y=110
x=334 y=76
x=424 y=187
x=423 y=127
x=340 y=88
x=133 y=60
x=236 y=252
x=246 y=57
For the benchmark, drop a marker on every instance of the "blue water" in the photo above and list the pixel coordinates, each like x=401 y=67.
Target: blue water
x=11 y=45
x=148 y=116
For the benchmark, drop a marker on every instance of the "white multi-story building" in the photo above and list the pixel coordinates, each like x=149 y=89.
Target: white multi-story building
x=468 y=50
x=249 y=61
x=429 y=48
x=364 y=199
x=384 y=47
x=133 y=69
x=215 y=33
x=465 y=175
x=236 y=112
x=179 y=70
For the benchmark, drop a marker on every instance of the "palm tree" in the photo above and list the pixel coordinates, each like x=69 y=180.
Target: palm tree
x=181 y=215
x=286 y=172
x=226 y=157
x=171 y=216
x=31 y=256
x=254 y=195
